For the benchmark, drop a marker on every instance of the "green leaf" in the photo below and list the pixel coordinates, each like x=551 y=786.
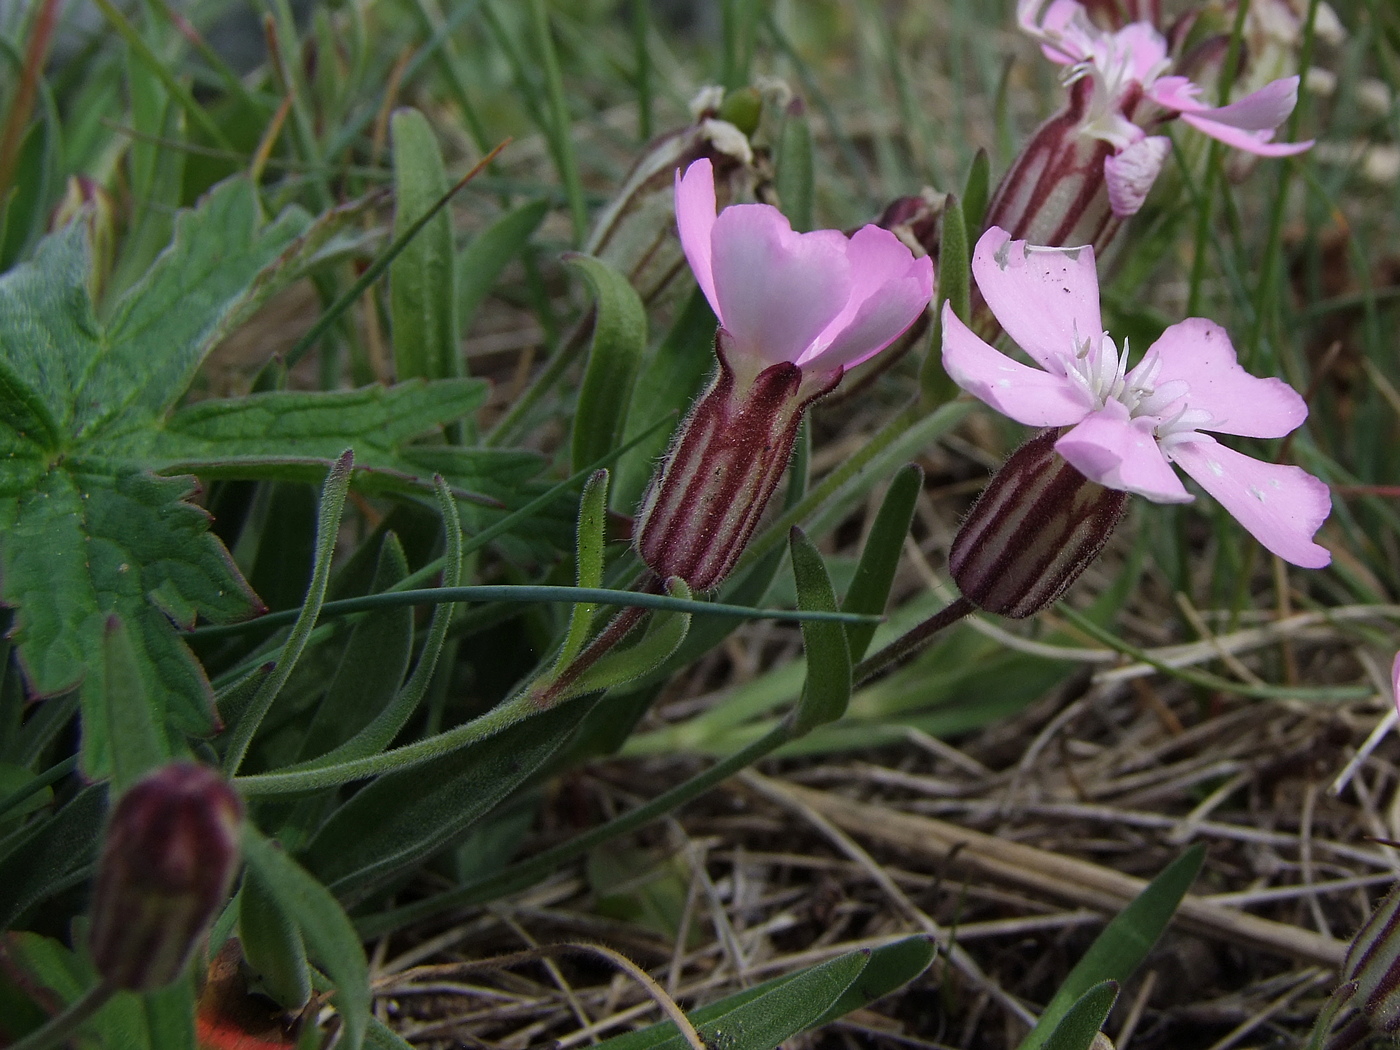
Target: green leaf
x=870 y=587
x=758 y=1018
x=296 y=436
x=325 y=929
x=1084 y=1020
x=794 y=168
x=85 y=532
x=954 y=276
x=1118 y=951
x=134 y=724
x=51 y=854
x=480 y=264
x=327 y=531
x=891 y=966
x=975 y=195
x=127 y=1021
x=828 y=687
x=619 y=340
x=664 y=635
x=385 y=725
x=592 y=536
x=403 y=817
x=422 y=280
x=372 y=667
x=272 y=942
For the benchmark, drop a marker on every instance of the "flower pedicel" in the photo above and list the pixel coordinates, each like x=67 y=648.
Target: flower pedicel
x=795 y=310
x=1126 y=428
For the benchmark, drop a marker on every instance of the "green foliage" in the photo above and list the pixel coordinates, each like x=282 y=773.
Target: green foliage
x=422 y=280
x=619 y=338
x=322 y=926
x=1088 y=993
x=827 y=690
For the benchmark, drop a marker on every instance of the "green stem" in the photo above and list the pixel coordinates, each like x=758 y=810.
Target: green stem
x=527 y=872
x=1265 y=297
x=524 y=593
x=1206 y=210
x=59 y=1028
x=910 y=642
x=776 y=534
x=559 y=121
x=327 y=528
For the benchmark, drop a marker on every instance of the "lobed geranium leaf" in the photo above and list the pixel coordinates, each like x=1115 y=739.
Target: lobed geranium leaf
x=87 y=531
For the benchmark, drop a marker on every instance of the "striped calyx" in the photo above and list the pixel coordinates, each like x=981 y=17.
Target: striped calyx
x=1037 y=525
x=711 y=488
x=168 y=860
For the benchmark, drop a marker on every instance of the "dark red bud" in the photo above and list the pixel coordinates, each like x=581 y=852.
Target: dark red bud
x=1037 y=525
x=168 y=860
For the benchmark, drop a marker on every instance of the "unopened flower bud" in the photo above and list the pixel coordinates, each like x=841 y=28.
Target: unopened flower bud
x=636 y=233
x=168 y=860
x=1037 y=525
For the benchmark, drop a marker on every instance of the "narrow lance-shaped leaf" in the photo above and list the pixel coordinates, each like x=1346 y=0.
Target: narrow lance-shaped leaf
x=1118 y=951
x=480 y=263
x=330 y=938
x=422 y=280
x=870 y=587
x=1081 y=1024
x=592 y=526
x=407 y=815
x=794 y=168
x=135 y=724
x=954 y=286
x=828 y=687
x=272 y=941
x=974 y=200
x=758 y=1019
x=619 y=339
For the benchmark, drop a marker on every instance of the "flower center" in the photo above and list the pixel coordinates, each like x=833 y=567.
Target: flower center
x=1102 y=373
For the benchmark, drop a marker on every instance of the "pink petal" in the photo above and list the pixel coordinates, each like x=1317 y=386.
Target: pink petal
x=776 y=289
x=1146 y=48
x=890 y=288
x=1121 y=453
x=1177 y=93
x=1198 y=352
x=1027 y=395
x=1248 y=124
x=1047 y=299
x=1131 y=173
x=1256 y=142
x=1264 y=110
x=1281 y=506
x=695 y=218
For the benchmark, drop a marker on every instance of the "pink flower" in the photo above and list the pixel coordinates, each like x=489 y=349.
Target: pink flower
x=1131 y=90
x=818 y=300
x=795 y=310
x=1128 y=426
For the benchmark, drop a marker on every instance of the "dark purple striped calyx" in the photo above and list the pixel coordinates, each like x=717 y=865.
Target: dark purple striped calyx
x=1037 y=525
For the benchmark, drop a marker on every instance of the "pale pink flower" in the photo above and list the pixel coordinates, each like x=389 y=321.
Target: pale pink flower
x=818 y=300
x=1132 y=91
x=795 y=310
x=1128 y=426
